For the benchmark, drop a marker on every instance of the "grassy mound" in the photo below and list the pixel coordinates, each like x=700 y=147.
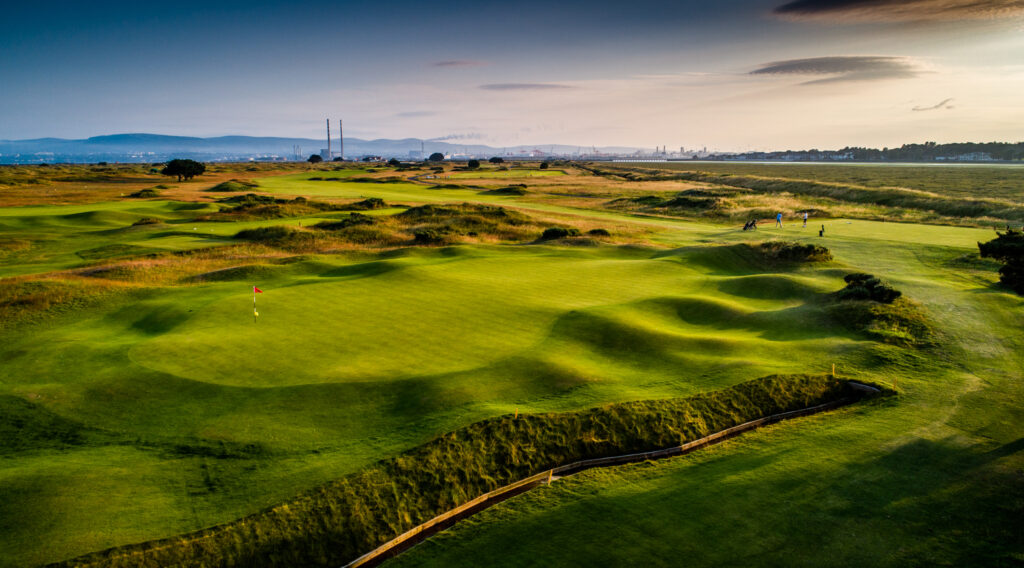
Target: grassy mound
x=233 y=186
x=25 y=426
x=339 y=521
x=784 y=251
x=252 y=207
x=145 y=193
x=518 y=189
x=873 y=308
x=366 y=205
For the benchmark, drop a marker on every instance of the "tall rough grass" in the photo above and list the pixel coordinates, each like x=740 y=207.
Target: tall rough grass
x=957 y=207
x=338 y=522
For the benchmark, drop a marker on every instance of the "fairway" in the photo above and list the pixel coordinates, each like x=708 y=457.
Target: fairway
x=150 y=402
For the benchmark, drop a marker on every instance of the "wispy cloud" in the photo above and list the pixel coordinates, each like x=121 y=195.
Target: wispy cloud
x=524 y=87
x=900 y=10
x=843 y=68
x=943 y=105
x=415 y=114
x=460 y=63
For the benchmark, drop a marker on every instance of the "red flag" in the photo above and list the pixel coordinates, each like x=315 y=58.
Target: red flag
x=256 y=290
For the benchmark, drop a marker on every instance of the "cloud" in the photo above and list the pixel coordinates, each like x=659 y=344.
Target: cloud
x=524 y=87
x=885 y=11
x=843 y=68
x=943 y=105
x=415 y=114
x=460 y=63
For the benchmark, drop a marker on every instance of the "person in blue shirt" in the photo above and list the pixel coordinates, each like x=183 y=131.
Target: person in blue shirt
x=778 y=220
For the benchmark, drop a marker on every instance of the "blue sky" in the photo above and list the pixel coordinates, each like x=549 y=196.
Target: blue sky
x=740 y=75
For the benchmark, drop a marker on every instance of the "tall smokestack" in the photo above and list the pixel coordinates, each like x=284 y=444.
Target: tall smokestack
x=328 y=140
x=341 y=141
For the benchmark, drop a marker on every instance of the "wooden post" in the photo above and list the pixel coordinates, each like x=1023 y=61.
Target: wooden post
x=833 y=370
x=551 y=473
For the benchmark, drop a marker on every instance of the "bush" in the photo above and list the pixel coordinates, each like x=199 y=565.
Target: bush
x=350 y=221
x=429 y=237
x=497 y=160
x=795 y=252
x=473 y=164
x=543 y=165
x=1007 y=248
x=277 y=236
x=559 y=233
x=314 y=159
x=599 y=233
x=862 y=286
x=436 y=157
x=367 y=204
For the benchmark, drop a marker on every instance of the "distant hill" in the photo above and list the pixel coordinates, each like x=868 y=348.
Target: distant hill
x=142 y=147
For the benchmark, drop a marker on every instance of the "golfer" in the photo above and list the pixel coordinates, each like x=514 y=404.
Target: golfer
x=805 y=219
x=778 y=220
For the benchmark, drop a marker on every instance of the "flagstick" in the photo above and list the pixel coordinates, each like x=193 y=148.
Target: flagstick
x=253 y=304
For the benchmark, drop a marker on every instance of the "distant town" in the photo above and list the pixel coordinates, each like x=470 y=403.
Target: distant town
x=141 y=148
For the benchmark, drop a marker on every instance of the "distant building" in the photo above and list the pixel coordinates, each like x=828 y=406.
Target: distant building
x=325 y=154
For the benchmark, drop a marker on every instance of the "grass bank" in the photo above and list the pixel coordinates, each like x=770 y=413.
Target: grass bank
x=339 y=521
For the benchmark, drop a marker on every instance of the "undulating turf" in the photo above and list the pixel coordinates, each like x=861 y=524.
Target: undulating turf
x=159 y=406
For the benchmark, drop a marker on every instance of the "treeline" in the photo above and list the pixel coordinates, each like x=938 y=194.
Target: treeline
x=336 y=523
x=930 y=151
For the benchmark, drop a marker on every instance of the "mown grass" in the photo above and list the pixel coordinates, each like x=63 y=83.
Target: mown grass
x=362 y=354
x=336 y=523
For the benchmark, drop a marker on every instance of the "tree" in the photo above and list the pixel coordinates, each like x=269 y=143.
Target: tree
x=473 y=164
x=183 y=169
x=1007 y=248
x=314 y=159
x=497 y=160
x=436 y=157
x=394 y=162
x=543 y=165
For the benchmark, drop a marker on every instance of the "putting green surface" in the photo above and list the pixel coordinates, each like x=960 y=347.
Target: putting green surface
x=195 y=414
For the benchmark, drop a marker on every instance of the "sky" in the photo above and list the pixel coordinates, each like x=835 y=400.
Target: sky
x=730 y=75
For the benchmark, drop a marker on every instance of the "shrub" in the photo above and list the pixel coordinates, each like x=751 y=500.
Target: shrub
x=794 y=252
x=599 y=233
x=559 y=233
x=429 y=237
x=314 y=159
x=350 y=221
x=473 y=164
x=862 y=286
x=543 y=165
x=1007 y=248
x=367 y=204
